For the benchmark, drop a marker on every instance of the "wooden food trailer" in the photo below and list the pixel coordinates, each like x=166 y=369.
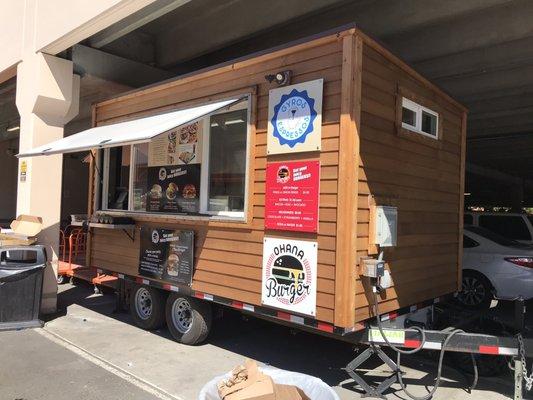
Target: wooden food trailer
x=270 y=183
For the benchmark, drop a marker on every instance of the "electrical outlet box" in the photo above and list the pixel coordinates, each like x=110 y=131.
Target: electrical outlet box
x=373 y=268
x=385 y=225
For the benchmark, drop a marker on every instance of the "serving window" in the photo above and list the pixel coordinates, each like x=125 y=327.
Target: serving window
x=195 y=169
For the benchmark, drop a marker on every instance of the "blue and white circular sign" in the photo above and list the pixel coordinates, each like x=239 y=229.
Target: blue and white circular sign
x=293 y=117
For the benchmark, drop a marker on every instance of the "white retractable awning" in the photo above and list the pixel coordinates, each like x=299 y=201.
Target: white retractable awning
x=123 y=133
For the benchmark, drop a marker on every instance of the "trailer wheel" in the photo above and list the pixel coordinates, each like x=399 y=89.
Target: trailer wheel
x=476 y=291
x=61 y=279
x=188 y=319
x=147 y=307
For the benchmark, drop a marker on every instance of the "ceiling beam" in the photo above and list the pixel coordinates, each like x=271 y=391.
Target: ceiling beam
x=228 y=22
x=494 y=174
x=489 y=82
x=502 y=112
x=512 y=120
x=499 y=130
x=503 y=23
x=479 y=60
x=134 y=21
x=113 y=68
x=494 y=104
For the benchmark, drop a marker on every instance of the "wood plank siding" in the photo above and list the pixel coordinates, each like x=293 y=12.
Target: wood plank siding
x=364 y=159
x=419 y=175
x=229 y=256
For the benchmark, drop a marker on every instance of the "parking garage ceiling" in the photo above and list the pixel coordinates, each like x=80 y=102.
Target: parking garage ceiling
x=479 y=51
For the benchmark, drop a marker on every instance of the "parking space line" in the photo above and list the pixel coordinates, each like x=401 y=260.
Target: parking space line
x=102 y=363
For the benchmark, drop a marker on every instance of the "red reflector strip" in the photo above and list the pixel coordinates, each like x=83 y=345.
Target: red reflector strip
x=325 y=327
x=393 y=315
x=237 y=304
x=199 y=295
x=139 y=280
x=285 y=316
x=489 y=350
x=413 y=344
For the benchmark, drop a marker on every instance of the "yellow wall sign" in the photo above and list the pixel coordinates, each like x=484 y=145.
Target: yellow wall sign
x=23 y=171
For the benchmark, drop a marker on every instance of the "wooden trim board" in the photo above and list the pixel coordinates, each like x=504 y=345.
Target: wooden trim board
x=345 y=260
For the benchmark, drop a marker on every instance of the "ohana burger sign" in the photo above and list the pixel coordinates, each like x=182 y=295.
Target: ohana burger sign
x=289 y=275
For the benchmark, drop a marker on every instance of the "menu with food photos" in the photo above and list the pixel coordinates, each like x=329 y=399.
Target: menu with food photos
x=167 y=254
x=178 y=146
x=173 y=189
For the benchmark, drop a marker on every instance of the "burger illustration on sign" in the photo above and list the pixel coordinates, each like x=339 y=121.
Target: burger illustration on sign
x=289 y=275
x=283 y=175
x=155 y=237
x=293 y=117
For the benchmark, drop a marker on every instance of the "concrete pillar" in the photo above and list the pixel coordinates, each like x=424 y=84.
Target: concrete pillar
x=47 y=98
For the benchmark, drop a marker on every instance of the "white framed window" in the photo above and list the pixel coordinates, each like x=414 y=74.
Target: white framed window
x=419 y=119
x=200 y=169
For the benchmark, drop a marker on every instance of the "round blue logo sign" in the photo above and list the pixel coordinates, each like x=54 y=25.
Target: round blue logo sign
x=293 y=117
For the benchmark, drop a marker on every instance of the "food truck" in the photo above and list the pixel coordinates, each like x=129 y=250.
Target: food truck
x=317 y=185
x=281 y=184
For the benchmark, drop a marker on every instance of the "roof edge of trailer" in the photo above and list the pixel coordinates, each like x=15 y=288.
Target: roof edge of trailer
x=330 y=32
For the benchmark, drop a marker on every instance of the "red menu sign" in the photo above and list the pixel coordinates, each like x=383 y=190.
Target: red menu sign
x=291 y=200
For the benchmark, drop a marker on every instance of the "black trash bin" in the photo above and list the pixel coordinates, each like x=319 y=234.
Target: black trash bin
x=21 y=284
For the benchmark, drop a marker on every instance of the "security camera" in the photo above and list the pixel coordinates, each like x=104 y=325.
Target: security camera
x=282 y=78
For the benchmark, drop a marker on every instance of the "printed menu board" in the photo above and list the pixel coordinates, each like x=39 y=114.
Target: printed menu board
x=178 y=146
x=174 y=189
x=291 y=200
x=167 y=254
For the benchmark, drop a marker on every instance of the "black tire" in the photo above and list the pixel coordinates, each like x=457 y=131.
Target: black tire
x=147 y=307
x=188 y=319
x=476 y=291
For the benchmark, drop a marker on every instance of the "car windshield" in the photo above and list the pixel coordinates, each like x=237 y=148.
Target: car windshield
x=494 y=237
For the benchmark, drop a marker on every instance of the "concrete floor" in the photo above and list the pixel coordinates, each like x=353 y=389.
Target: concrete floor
x=91 y=353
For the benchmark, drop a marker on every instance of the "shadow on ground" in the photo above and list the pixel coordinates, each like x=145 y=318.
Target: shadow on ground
x=303 y=352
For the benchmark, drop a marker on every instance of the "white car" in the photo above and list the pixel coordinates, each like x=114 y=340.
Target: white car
x=516 y=226
x=494 y=267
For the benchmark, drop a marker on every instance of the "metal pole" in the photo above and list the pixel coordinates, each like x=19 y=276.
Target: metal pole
x=518 y=377
x=519 y=314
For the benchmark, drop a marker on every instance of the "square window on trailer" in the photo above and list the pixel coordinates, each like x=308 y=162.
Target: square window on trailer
x=419 y=119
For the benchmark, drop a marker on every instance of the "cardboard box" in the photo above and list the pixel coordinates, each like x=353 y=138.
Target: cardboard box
x=248 y=383
x=261 y=389
x=24 y=231
x=289 y=392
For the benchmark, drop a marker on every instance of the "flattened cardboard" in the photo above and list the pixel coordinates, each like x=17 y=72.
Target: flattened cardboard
x=23 y=231
x=27 y=225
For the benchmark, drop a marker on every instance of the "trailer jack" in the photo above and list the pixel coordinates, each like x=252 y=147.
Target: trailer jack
x=372 y=390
